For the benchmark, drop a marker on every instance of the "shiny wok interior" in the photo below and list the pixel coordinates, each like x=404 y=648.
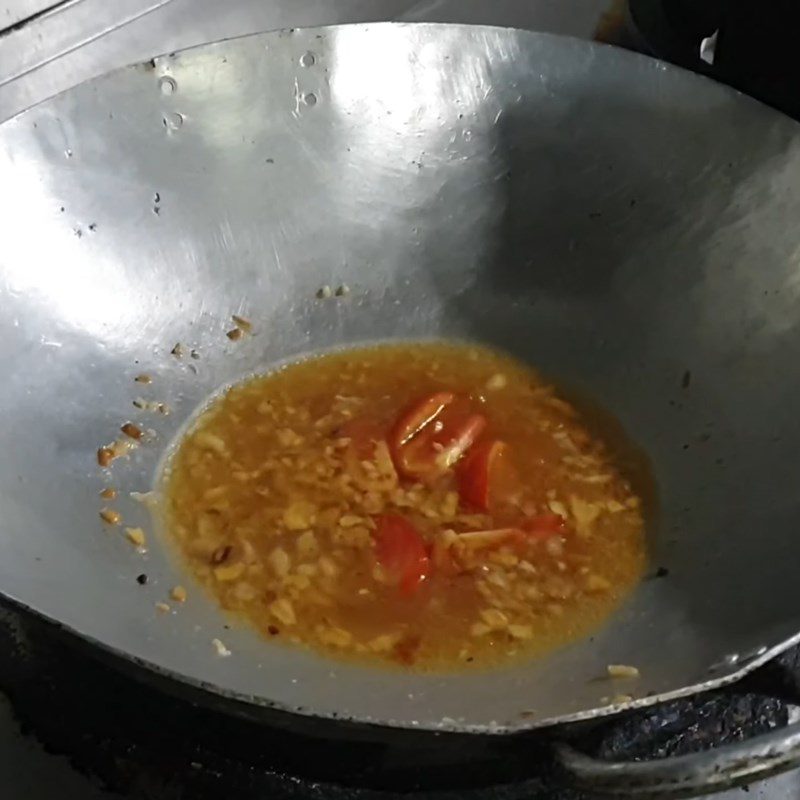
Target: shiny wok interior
x=626 y=226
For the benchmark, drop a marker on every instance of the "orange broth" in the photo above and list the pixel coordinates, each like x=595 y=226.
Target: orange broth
x=278 y=499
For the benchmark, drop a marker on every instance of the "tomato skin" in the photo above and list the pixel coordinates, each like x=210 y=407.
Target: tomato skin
x=544 y=526
x=495 y=537
x=432 y=434
x=417 y=416
x=538 y=528
x=401 y=552
x=475 y=475
x=458 y=439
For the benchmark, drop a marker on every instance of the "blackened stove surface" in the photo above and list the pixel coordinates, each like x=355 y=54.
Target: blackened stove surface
x=755 y=43
x=145 y=744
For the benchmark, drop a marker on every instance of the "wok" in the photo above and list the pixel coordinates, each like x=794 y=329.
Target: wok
x=625 y=226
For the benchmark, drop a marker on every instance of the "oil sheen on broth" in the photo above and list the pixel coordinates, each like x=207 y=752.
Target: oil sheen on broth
x=435 y=506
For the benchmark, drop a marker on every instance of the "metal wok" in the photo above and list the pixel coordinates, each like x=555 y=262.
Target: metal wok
x=628 y=227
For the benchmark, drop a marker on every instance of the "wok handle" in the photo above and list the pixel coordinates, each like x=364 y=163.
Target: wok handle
x=682 y=776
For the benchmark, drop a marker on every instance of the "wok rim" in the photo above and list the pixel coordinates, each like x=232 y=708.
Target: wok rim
x=240 y=702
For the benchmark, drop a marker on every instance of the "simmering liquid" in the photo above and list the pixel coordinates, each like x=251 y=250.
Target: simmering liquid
x=431 y=506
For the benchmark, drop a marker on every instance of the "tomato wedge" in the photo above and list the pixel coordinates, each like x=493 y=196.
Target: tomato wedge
x=543 y=526
x=433 y=434
x=401 y=552
x=455 y=439
x=418 y=415
x=476 y=475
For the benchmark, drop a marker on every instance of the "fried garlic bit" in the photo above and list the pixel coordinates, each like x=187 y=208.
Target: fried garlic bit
x=622 y=671
x=178 y=594
x=243 y=326
x=242 y=323
x=110 y=516
x=131 y=430
x=220 y=648
x=136 y=536
x=117 y=449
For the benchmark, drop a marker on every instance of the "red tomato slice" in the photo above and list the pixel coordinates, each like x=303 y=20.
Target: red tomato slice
x=417 y=416
x=476 y=475
x=401 y=552
x=432 y=435
x=455 y=439
x=543 y=526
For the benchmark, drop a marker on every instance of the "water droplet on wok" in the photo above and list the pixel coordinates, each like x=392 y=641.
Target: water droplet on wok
x=173 y=121
x=167 y=85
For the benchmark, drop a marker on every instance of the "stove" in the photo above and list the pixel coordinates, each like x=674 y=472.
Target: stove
x=72 y=726
x=140 y=743
x=746 y=44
